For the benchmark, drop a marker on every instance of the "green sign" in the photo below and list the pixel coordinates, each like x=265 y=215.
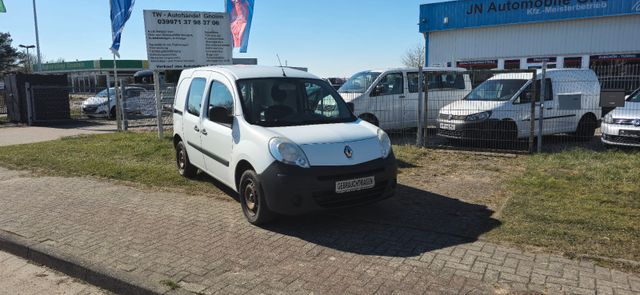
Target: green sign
x=2 y=8
x=92 y=65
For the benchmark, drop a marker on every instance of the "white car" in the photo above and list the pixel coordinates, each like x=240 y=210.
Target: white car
x=622 y=125
x=389 y=98
x=282 y=138
x=104 y=106
x=500 y=108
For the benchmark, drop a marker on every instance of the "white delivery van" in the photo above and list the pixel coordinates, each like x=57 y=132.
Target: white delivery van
x=282 y=138
x=389 y=98
x=501 y=107
x=622 y=125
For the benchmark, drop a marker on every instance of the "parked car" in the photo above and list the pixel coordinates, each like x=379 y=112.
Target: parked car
x=389 y=98
x=282 y=138
x=622 y=125
x=336 y=83
x=103 y=105
x=501 y=107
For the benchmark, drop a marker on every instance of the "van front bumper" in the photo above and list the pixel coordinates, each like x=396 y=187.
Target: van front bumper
x=623 y=135
x=291 y=190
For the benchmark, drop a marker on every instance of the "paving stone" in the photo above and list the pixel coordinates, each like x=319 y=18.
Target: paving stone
x=206 y=246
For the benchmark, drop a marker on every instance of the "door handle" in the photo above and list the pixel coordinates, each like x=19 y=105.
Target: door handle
x=402 y=96
x=204 y=132
x=549 y=108
x=196 y=128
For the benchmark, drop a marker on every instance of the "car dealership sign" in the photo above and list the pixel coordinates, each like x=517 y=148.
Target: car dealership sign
x=187 y=39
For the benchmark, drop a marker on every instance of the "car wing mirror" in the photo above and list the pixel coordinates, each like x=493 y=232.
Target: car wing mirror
x=220 y=115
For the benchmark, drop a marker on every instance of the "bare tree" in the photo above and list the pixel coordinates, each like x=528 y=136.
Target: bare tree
x=414 y=57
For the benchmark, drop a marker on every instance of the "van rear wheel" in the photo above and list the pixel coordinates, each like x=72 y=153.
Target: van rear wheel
x=252 y=199
x=185 y=168
x=586 y=128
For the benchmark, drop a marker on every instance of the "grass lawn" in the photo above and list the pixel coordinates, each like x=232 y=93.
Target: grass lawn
x=133 y=157
x=580 y=202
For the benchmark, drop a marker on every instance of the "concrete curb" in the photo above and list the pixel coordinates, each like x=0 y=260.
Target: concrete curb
x=37 y=252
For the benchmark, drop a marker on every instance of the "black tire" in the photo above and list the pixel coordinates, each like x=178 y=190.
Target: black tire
x=508 y=134
x=371 y=119
x=252 y=199
x=112 y=113
x=185 y=168
x=586 y=128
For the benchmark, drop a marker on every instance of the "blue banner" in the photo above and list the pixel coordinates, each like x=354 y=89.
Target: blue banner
x=240 y=16
x=479 y=13
x=120 y=13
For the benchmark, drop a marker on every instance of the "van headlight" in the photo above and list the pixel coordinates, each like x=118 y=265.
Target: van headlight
x=478 y=117
x=385 y=143
x=287 y=152
x=608 y=119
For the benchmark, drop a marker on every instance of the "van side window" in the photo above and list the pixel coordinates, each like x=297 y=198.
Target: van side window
x=437 y=81
x=194 y=98
x=525 y=96
x=390 y=84
x=220 y=96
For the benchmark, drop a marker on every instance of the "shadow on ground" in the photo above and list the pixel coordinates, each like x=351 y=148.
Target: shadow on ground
x=410 y=224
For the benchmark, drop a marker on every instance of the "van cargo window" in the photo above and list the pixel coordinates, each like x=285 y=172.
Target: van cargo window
x=447 y=81
x=194 y=99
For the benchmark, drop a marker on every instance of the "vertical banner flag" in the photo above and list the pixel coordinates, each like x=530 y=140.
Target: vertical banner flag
x=2 y=8
x=240 y=15
x=120 y=13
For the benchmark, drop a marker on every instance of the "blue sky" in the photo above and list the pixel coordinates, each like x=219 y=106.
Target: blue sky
x=330 y=37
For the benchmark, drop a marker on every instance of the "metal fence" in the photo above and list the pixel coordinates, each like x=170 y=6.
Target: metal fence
x=3 y=104
x=509 y=110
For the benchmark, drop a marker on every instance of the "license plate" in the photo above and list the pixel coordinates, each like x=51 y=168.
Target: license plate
x=353 y=185
x=446 y=126
x=630 y=133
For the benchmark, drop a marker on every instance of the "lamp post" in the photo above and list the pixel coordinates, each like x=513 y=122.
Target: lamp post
x=27 y=47
x=35 y=21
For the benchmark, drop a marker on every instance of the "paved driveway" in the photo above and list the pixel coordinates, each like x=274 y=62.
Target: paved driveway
x=23 y=135
x=420 y=243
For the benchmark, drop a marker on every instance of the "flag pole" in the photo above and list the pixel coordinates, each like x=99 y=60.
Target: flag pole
x=117 y=92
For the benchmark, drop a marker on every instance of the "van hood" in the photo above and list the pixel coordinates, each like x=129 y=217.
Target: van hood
x=350 y=96
x=470 y=107
x=631 y=110
x=327 y=133
x=325 y=145
x=95 y=100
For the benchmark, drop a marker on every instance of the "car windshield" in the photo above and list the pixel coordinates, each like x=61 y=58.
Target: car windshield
x=634 y=97
x=496 y=90
x=275 y=102
x=103 y=93
x=359 y=83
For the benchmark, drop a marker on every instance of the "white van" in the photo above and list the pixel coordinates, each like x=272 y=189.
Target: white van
x=501 y=107
x=622 y=125
x=282 y=138
x=389 y=98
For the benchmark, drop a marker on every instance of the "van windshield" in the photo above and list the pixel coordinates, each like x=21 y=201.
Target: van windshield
x=634 y=97
x=276 y=102
x=359 y=83
x=496 y=90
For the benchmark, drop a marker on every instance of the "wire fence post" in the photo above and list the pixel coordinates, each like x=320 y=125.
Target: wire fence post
x=123 y=105
x=420 y=135
x=29 y=94
x=158 y=94
x=424 y=84
x=534 y=95
x=542 y=98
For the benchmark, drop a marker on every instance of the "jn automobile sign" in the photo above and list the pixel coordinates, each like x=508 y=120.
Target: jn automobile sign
x=187 y=39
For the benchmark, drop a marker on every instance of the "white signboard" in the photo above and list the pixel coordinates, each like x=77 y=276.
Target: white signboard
x=187 y=39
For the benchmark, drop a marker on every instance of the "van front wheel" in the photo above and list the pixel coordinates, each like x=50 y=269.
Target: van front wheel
x=252 y=199
x=185 y=168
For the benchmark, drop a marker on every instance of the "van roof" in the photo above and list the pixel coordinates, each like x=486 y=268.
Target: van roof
x=581 y=74
x=238 y=72
x=426 y=69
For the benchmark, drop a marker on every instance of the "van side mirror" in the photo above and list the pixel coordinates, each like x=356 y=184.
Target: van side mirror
x=220 y=115
x=351 y=106
x=379 y=89
x=525 y=97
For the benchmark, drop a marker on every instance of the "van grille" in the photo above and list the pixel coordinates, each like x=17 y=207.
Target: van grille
x=453 y=117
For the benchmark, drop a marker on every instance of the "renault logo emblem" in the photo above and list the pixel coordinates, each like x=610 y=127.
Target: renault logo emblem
x=348 y=152
x=450 y=117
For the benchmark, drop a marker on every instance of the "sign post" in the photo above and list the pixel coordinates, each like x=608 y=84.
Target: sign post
x=178 y=40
